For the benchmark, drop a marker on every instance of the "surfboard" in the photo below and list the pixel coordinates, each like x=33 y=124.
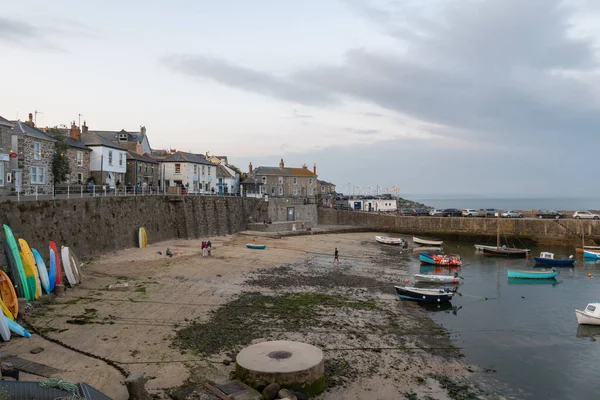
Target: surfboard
x=12 y=270
x=66 y=263
x=9 y=296
x=16 y=328
x=33 y=280
x=4 y=329
x=142 y=238
x=76 y=265
x=6 y=311
x=58 y=278
x=20 y=271
x=52 y=270
x=42 y=271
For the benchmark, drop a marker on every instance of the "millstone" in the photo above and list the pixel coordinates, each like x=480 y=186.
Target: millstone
x=294 y=365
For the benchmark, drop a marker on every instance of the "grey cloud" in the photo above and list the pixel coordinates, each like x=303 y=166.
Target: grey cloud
x=363 y=131
x=25 y=34
x=248 y=79
x=372 y=114
x=16 y=31
x=296 y=114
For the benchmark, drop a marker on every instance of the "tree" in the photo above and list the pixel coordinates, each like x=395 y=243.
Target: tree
x=61 y=168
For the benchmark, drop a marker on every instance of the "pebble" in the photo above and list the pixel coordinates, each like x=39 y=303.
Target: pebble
x=36 y=350
x=286 y=394
x=226 y=362
x=271 y=391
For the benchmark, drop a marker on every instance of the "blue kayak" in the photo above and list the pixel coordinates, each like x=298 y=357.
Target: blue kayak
x=16 y=328
x=256 y=246
x=531 y=274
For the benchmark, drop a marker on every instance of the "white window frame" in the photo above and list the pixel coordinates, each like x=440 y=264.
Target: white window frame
x=80 y=178
x=120 y=159
x=1 y=174
x=310 y=181
x=79 y=157
x=37 y=151
x=280 y=191
x=295 y=181
x=208 y=170
x=310 y=191
x=272 y=190
x=175 y=168
x=295 y=191
x=280 y=180
x=122 y=137
x=264 y=180
x=203 y=171
x=110 y=157
x=322 y=189
x=35 y=173
x=195 y=169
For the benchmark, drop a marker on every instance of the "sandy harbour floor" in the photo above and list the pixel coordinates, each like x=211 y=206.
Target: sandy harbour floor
x=377 y=348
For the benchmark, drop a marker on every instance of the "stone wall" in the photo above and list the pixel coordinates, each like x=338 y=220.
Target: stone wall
x=547 y=231
x=84 y=169
x=278 y=209
x=94 y=226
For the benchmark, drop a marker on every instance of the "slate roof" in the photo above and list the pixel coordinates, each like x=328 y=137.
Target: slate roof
x=114 y=135
x=93 y=139
x=181 y=156
x=138 y=157
x=284 y=171
x=324 y=183
x=222 y=172
x=5 y=122
x=24 y=129
x=75 y=143
x=250 y=181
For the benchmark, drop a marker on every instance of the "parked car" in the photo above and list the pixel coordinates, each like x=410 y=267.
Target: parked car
x=436 y=213
x=451 y=212
x=585 y=215
x=511 y=214
x=490 y=212
x=469 y=212
x=418 y=212
x=406 y=211
x=549 y=214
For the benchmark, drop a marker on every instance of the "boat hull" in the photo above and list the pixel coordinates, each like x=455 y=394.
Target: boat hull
x=256 y=246
x=388 y=240
x=503 y=252
x=584 y=318
x=426 y=242
x=424 y=295
x=591 y=254
x=532 y=274
x=435 y=278
x=433 y=259
x=554 y=261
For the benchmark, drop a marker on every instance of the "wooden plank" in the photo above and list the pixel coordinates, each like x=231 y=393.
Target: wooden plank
x=216 y=391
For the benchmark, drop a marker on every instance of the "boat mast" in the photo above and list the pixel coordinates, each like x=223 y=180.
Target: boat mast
x=498 y=231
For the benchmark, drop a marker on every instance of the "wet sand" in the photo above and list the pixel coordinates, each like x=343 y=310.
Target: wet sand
x=135 y=328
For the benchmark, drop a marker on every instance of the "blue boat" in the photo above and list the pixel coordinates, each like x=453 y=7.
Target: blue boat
x=450 y=260
x=548 y=259
x=521 y=274
x=256 y=246
x=591 y=254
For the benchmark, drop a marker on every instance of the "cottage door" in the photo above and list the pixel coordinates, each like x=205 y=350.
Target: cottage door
x=18 y=180
x=291 y=214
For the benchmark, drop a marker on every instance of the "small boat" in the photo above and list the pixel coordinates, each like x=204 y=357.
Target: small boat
x=591 y=254
x=426 y=249
x=256 y=246
x=505 y=252
x=589 y=316
x=482 y=247
x=525 y=274
x=427 y=295
x=528 y=282
x=428 y=242
x=8 y=294
x=436 y=278
x=445 y=259
x=389 y=240
x=67 y=268
x=547 y=258
x=589 y=248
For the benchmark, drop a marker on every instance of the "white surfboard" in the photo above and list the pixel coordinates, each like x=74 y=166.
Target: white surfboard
x=4 y=330
x=66 y=260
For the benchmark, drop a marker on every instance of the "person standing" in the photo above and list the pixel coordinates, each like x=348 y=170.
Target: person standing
x=209 y=247
x=336 y=256
x=203 y=248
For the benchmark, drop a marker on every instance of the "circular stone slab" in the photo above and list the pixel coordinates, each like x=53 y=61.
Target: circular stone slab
x=295 y=365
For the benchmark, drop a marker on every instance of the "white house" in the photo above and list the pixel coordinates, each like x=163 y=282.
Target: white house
x=108 y=162
x=228 y=181
x=372 y=204
x=193 y=171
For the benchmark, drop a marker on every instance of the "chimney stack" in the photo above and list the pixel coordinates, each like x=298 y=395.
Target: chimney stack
x=281 y=164
x=75 y=132
x=315 y=168
x=30 y=122
x=143 y=130
x=84 y=127
x=250 y=169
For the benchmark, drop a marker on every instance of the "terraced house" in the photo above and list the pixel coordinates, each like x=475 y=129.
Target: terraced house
x=193 y=171
x=286 y=182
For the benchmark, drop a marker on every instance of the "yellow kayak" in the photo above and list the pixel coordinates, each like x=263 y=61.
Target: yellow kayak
x=31 y=274
x=6 y=311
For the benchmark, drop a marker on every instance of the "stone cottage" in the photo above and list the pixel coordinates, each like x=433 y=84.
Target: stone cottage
x=35 y=150
x=285 y=181
x=5 y=150
x=142 y=171
x=79 y=157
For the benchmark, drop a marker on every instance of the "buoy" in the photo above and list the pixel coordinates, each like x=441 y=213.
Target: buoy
x=590 y=276
x=406 y=281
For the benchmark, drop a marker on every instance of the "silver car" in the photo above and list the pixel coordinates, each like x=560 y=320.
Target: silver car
x=512 y=214
x=585 y=215
x=470 y=212
x=436 y=213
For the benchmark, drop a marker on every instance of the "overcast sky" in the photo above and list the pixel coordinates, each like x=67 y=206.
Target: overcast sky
x=490 y=97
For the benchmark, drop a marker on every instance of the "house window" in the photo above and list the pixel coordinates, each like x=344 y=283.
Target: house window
x=80 y=158
x=322 y=189
x=203 y=170
x=146 y=170
x=280 y=180
x=79 y=178
x=195 y=169
x=177 y=168
x=121 y=159
x=37 y=151
x=1 y=174
x=110 y=157
x=280 y=191
x=264 y=180
x=295 y=191
x=139 y=167
x=38 y=176
x=206 y=186
x=310 y=181
x=208 y=171
x=295 y=181
x=122 y=137
x=310 y=191
x=273 y=191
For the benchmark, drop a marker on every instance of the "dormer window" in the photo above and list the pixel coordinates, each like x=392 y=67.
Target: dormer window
x=122 y=137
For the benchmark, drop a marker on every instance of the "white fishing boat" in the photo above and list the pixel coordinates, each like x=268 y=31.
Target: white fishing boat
x=482 y=247
x=436 y=278
x=589 y=316
x=389 y=240
x=427 y=249
x=427 y=242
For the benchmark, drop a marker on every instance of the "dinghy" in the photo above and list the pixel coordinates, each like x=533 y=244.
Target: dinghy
x=591 y=254
x=428 y=242
x=66 y=263
x=8 y=293
x=524 y=274
x=505 y=252
x=482 y=247
x=256 y=246
x=547 y=258
x=389 y=240
x=444 y=259
x=426 y=295
x=589 y=316
x=436 y=278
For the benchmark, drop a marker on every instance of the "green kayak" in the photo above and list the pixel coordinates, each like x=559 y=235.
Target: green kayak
x=20 y=272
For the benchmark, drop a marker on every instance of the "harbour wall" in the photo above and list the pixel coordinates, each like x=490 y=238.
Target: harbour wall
x=98 y=225
x=544 y=231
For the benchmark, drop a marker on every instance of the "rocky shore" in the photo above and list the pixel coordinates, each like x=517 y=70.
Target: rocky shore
x=182 y=320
